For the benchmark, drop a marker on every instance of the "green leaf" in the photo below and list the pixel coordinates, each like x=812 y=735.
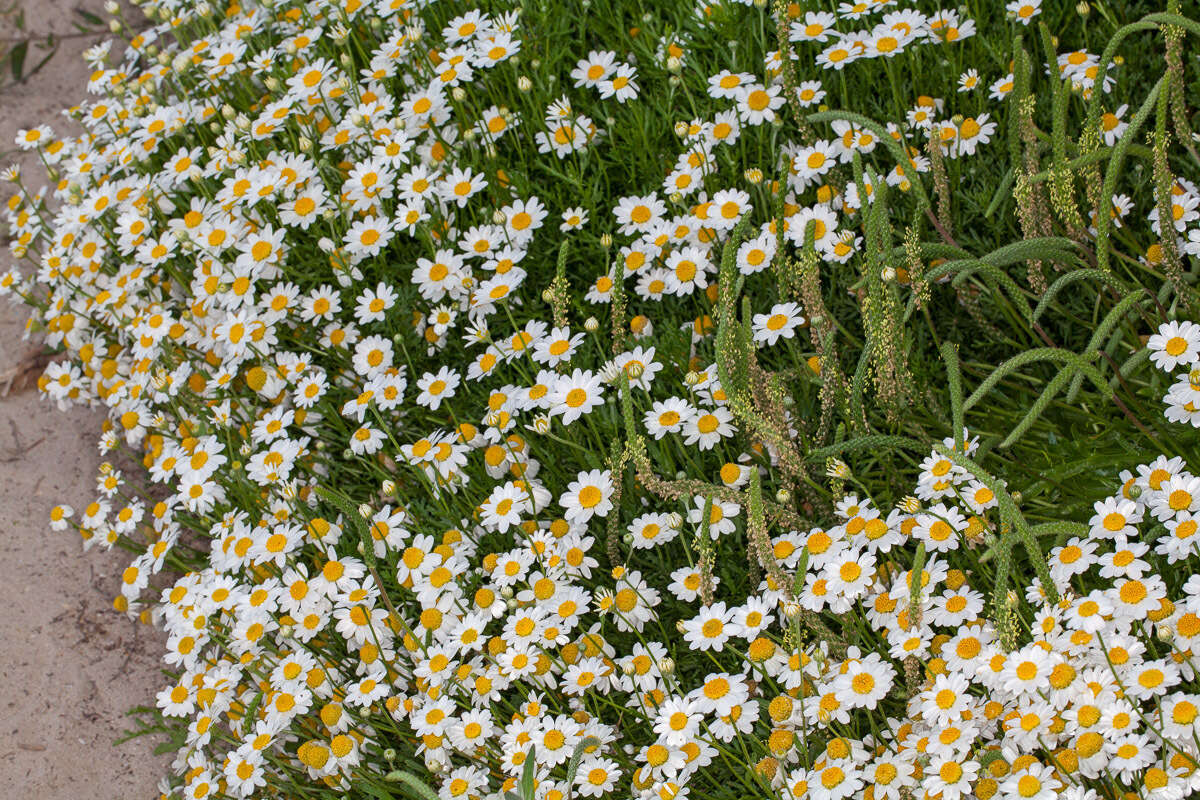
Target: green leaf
x=16 y=59
x=527 y=774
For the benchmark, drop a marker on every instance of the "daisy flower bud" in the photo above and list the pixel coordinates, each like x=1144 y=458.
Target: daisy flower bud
x=681 y=129
x=783 y=496
x=388 y=487
x=591 y=324
x=541 y=424
x=203 y=9
x=364 y=511
x=888 y=274
x=524 y=84
x=458 y=93
x=606 y=240
x=674 y=65
x=666 y=665
x=753 y=175
x=838 y=469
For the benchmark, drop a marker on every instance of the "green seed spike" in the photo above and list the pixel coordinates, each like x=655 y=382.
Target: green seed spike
x=1164 y=183
x=585 y=744
x=1111 y=176
x=616 y=463
x=559 y=287
x=1146 y=23
x=627 y=409
x=354 y=520
x=1107 y=278
x=1174 y=35
x=411 y=785
x=954 y=383
x=1102 y=331
x=915 y=585
x=617 y=307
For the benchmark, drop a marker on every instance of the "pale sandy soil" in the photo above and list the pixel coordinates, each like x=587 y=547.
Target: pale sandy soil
x=71 y=665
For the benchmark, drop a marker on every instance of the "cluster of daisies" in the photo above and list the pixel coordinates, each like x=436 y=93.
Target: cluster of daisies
x=1176 y=346
x=314 y=261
